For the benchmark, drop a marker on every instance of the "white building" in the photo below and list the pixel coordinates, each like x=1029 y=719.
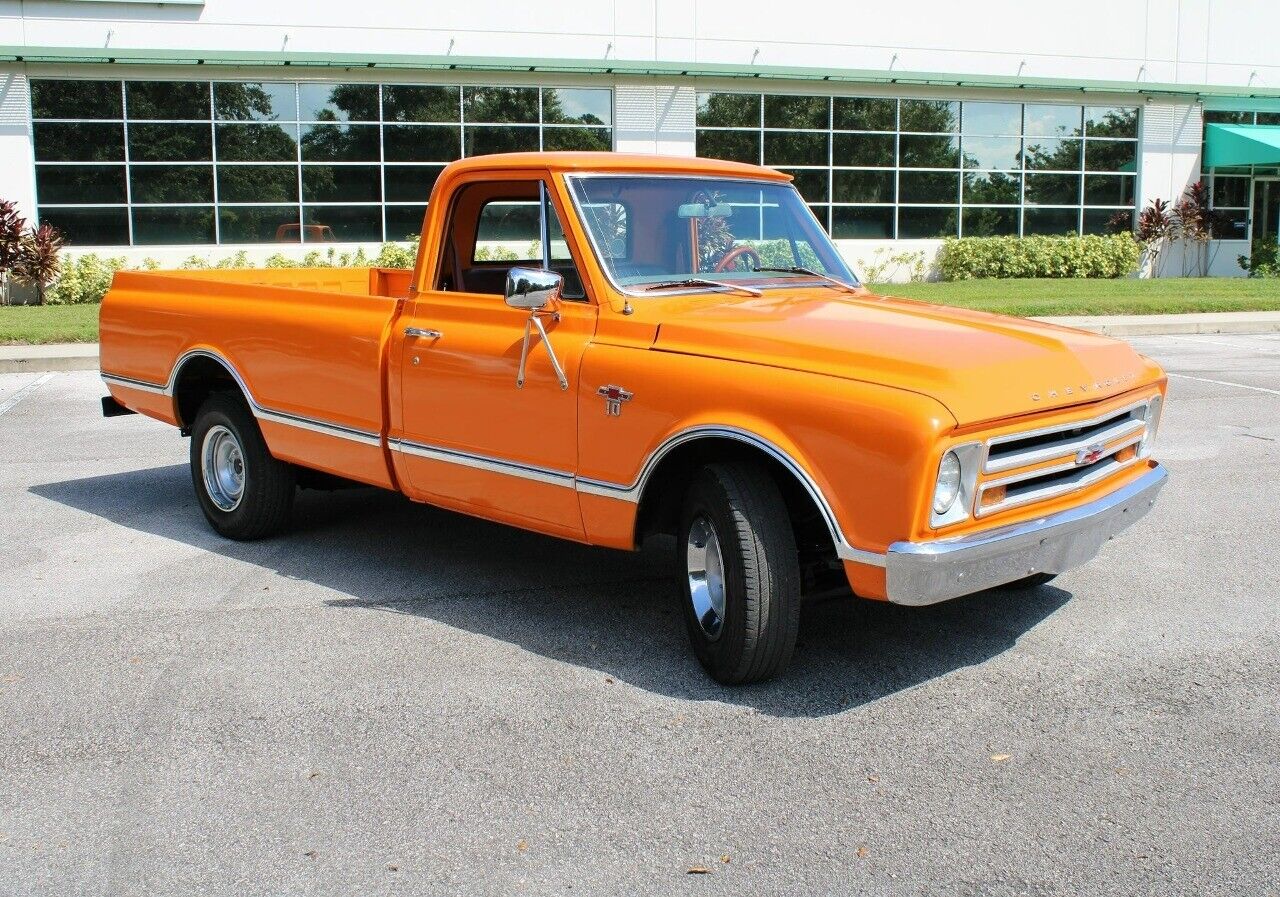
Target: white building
x=163 y=129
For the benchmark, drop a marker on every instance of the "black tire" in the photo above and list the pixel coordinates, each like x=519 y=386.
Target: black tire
x=1034 y=581
x=265 y=499
x=761 y=573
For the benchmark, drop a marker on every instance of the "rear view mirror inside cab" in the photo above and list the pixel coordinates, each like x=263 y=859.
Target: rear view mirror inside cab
x=702 y=210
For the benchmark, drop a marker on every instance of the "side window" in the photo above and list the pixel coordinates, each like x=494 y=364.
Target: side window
x=508 y=231
x=495 y=226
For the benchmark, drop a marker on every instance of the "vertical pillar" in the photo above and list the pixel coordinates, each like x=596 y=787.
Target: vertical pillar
x=17 y=163
x=654 y=118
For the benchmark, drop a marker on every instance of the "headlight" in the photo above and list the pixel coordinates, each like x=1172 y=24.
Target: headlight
x=948 y=488
x=1153 y=424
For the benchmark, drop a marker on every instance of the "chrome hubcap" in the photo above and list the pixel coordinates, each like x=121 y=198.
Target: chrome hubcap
x=223 y=468
x=706 y=576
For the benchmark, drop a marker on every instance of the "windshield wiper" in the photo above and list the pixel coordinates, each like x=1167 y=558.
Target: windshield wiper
x=796 y=269
x=701 y=282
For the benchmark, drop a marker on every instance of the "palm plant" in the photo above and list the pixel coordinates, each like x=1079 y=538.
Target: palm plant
x=38 y=261
x=12 y=229
x=1157 y=225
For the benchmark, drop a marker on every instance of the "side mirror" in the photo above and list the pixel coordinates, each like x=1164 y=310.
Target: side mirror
x=532 y=288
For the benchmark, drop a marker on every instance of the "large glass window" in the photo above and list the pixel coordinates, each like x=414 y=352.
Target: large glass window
x=146 y=162
x=911 y=168
x=1230 y=189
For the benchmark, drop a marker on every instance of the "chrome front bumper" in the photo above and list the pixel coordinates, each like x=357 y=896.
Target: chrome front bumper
x=928 y=572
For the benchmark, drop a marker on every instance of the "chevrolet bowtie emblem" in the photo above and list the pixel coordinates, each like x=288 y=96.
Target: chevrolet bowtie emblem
x=1089 y=455
x=613 y=396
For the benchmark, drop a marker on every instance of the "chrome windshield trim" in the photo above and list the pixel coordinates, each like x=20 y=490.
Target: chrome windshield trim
x=638 y=292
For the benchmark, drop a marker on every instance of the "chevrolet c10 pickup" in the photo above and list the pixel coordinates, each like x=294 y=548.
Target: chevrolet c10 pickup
x=605 y=347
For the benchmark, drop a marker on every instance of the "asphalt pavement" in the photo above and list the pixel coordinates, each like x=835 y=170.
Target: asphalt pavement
x=395 y=699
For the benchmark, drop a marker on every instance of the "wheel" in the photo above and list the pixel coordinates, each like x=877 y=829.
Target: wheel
x=738 y=252
x=244 y=492
x=1029 y=582
x=739 y=573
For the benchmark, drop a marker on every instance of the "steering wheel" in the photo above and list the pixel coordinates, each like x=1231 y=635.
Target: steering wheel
x=738 y=252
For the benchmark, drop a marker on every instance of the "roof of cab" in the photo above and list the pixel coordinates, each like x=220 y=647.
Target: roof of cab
x=616 y=162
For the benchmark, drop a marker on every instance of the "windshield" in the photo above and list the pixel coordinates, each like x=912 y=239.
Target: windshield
x=654 y=232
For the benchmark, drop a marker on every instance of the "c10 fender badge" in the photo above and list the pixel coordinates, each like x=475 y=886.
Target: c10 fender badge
x=613 y=396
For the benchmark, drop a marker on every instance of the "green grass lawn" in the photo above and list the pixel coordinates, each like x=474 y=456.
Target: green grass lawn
x=1029 y=298
x=1043 y=297
x=26 y=324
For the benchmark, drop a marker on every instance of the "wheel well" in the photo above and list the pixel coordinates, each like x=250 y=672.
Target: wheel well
x=199 y=378
x=663 y=496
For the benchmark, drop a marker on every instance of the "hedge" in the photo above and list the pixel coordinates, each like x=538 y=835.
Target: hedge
x=85 y=279
x=968 y=258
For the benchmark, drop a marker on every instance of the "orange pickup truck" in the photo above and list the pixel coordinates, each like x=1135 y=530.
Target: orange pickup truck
x=603 y=347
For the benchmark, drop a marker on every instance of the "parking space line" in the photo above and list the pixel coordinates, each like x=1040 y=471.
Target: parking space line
x=1216 y=342
x=25 y=391
x=1274 y=392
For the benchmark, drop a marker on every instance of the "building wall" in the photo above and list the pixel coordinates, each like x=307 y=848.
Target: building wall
x=1175 y=41
x=1167 y=42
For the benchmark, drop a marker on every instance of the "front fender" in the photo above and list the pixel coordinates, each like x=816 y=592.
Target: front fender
x=862 y=449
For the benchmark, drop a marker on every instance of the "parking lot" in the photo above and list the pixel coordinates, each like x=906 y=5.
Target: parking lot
x=397 y=699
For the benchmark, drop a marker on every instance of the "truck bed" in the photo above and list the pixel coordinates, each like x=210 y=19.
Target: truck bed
x=307 y=345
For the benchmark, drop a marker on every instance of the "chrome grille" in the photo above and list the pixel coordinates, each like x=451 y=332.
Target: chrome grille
x=1036 y=465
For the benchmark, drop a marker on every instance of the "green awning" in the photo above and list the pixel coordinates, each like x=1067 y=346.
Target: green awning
x=1226 y=145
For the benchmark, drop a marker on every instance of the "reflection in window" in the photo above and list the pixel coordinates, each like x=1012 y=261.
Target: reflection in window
x=337 y=102
x=255 y=101
x=159 y=184
x=870 y=114
x=421 y=103
x=168 y=100
x=925 y=152
x=279 y=161
x=500 y=105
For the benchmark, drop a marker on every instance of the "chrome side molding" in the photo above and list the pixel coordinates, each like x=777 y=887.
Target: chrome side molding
x=260 y=411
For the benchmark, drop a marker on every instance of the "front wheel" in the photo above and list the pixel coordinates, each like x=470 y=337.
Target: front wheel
x=244 y=492
x=739 y=573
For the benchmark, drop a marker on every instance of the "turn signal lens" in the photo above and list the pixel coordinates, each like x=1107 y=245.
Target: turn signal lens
x=993 y=496
x=1128 y=453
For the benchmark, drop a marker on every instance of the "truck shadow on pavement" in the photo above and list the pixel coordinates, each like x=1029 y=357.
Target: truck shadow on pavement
x=609 y=611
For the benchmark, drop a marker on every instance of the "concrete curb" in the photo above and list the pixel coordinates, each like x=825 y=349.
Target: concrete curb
x=1170 y=325
x=56 y=357
x=84 y=356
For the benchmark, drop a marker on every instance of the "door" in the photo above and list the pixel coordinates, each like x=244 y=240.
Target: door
x=1266 y=207
x=471 y=437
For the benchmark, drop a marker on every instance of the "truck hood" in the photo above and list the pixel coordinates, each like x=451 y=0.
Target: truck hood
x=980 y=366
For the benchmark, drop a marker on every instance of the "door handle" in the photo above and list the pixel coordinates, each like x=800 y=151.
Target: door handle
x=418 y=331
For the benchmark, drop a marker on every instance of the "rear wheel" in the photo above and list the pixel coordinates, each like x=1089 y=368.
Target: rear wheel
x=244 y=492
x=739 y=573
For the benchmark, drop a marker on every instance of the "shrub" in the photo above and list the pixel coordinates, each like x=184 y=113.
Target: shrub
x=1002 y=257
x=83 y=280
x=1263 y=259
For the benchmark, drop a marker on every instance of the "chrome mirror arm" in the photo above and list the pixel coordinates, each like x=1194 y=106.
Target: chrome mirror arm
x=535 y=320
